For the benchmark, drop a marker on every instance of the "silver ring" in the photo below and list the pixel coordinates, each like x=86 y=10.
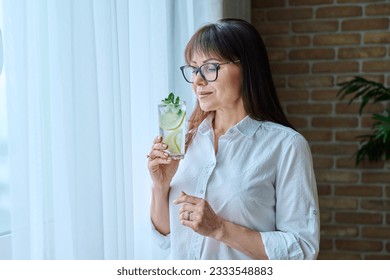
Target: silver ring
x=189 y=215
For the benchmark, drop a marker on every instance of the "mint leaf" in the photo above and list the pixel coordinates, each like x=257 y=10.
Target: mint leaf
x=171 y=100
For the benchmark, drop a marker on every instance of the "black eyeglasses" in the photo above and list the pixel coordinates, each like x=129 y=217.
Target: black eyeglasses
x=208 y=71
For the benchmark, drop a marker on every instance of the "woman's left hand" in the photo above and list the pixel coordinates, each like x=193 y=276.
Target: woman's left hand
x=197 y=214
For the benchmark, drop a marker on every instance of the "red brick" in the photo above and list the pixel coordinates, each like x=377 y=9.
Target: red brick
x=337 y=12
x=322 y=162
x=324 y=190
x=338 y=203
x=336 y=177
x=317 y=135
x=293 y=95
x=310 y=81
x=376 y=177
x=279 y=81
x=298 y=122
x=287 y=14
x=326 y=244
x=377 y=205
x=358 y=218
x=258 y=16
x=378 y=9
x=353 y=108
x=367 y=122
x=376 y=232
x=363 y=52
x=358 y=191
x=308 y=108
x=309 y=2
x=324 y=95
x=366 y=164
x=333 y=149
x=339 y=122
x=337 y=256
x=267 y=3
x=346 y=162
x=335 y=67
x=336 y=39
x=365 y=24
x=350 y=162
x=377 y=38
x=288 y=68
x=371 y=77
x=311 y=54
x=357 y=1
x=357 y=245
x=277 y=55
x=273 y=28
x=339 y=231
x=376 y=66
x=325 y=217
x=314 y=26
x=287 y=41
x=350 y=135
x=377 y=257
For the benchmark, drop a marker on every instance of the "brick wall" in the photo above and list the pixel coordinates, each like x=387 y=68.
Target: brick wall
x=313 y=45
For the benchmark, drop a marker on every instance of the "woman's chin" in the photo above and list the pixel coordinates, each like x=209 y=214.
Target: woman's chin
x=205 y=108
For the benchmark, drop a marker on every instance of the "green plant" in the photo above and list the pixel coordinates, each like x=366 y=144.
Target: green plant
x=374 y=146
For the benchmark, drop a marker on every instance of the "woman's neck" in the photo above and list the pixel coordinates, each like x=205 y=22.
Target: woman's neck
x=224 y=120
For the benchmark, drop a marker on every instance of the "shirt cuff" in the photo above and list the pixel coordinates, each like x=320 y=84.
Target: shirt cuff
x=281 y=246
x=163 y=241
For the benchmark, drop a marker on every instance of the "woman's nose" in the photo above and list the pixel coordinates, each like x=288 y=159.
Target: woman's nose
x=199 y=79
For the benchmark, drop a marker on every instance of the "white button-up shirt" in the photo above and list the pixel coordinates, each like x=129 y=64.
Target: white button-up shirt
x=261 y=178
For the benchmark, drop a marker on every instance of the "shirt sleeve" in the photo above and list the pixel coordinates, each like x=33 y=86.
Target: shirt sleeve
x=297 y=215
x=163 y=241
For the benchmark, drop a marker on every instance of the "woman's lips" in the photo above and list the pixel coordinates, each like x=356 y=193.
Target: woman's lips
x=203 y=94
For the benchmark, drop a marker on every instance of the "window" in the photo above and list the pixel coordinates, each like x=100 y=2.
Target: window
x=4 y=188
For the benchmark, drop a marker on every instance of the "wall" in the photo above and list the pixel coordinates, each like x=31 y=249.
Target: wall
x=313 y=45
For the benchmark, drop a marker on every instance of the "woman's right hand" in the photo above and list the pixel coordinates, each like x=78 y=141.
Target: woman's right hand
x=161 y=166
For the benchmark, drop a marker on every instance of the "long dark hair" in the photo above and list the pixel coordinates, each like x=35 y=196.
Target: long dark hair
x=236 y=39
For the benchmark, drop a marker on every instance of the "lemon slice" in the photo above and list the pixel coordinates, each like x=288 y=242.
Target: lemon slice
x=174 y=140
x=171 y=120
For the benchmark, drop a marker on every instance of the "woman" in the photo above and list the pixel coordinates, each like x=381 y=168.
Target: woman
x=246 y=187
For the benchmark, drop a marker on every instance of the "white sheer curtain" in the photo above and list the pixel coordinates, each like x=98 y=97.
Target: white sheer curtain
x=67 y=66
x=83 y=80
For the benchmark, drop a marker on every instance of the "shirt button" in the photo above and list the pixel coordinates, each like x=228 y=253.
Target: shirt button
x=201 y=191
x=315 y=212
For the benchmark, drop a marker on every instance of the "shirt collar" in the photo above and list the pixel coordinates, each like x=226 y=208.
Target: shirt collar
x=247 y=126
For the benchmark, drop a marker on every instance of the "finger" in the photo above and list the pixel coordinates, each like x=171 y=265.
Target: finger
x=189 y=224
x=187 y=208
x=158 y=161
x=184 y=215
x=187 y=199
x=159 y=146
x=158 y=154
x=158 y=139
x=188 y=215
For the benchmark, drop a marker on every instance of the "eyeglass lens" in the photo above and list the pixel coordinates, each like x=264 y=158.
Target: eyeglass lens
x=208 y=71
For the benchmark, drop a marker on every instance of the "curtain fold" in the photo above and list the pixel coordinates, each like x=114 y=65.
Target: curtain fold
x=83 y=82
x=68 y=112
